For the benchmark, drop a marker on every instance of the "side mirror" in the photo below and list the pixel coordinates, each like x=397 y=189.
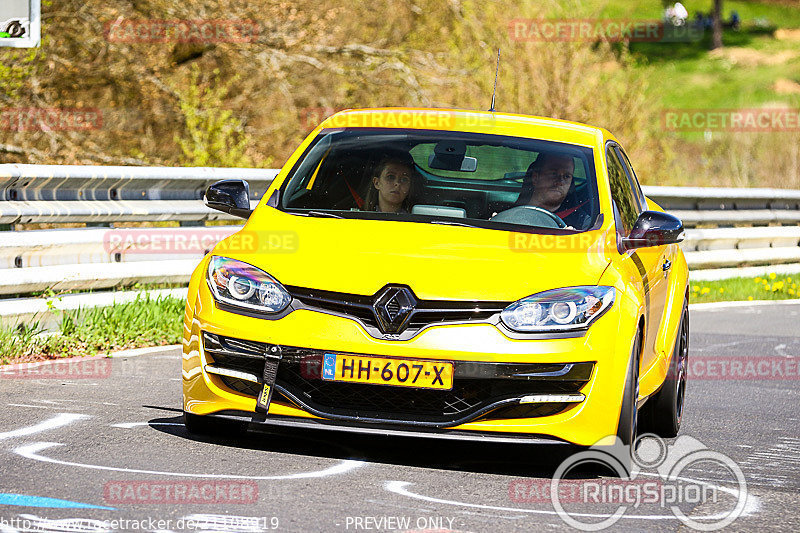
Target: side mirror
x=229 y=196
x=654 y=228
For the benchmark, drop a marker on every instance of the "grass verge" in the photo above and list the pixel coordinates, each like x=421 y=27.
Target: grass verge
x=770 y=287
x=143 y=322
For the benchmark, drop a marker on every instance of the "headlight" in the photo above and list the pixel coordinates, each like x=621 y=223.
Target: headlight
x=241 y=285
x=558 y=309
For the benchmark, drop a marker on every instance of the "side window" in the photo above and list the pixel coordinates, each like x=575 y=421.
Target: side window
x=621 y=192
x=637 y=190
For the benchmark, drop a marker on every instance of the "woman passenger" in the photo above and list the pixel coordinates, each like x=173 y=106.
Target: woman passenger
x=392 y=185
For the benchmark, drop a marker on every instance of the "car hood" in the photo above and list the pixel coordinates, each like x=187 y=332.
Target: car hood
x=435 y=261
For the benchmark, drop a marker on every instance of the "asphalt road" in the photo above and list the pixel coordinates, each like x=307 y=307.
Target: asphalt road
x=108 y=451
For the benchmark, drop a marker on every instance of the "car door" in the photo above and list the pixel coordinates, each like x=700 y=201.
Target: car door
x=627 y=207
x=656 y=261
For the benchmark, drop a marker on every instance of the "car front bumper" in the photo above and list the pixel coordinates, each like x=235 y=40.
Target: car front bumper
x=604 y=349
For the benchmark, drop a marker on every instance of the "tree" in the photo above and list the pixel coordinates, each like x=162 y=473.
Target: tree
x=716 y=39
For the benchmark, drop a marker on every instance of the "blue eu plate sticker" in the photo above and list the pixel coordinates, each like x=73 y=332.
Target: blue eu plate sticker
x=329 y=366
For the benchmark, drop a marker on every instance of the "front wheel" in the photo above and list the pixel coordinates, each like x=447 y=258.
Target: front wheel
x=629 y=412
x=664 y=411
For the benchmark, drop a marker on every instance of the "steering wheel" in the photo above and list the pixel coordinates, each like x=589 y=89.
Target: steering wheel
x=530 y=215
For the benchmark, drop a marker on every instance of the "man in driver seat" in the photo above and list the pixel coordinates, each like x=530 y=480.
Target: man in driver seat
x=549 y=180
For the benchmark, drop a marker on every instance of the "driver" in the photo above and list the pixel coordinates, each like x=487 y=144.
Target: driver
x=551 y=178
x=548 y=182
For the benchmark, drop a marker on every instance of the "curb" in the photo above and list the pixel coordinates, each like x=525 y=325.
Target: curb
x=133 y=352
x=741 y=303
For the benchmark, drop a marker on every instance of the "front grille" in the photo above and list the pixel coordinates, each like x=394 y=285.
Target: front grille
x=427 y=312
x=241 y=385
x=476 y=386
x=299 y=377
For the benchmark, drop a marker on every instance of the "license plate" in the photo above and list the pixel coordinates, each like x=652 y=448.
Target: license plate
x=384 y=371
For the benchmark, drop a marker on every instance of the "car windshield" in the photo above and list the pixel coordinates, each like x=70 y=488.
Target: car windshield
x=445 y=177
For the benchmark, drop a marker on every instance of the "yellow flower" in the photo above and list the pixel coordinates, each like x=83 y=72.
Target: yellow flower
x=721 y=290
x=749 y=297
x=791 y=292
x=767 y=287
x=775 y=288
x=705 y=290
x=772 y=275
x=794 y=285
x=764 y=281
x=757 y=280
x=778 y=285
x=695 y=288
x=788 y=280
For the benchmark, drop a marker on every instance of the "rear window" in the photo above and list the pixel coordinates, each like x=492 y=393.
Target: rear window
x=444 y=177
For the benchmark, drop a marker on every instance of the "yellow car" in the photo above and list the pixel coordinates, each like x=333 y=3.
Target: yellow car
x=443 y=273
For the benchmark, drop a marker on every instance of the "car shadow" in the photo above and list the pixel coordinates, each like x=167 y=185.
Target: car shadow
x=517 y=459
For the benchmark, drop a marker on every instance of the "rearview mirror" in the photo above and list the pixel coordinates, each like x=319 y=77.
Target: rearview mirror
x=654 y=228
x=229 y=196
x=451 y=155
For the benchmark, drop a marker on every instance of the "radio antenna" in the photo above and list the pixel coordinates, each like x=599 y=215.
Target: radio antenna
x=496 y=70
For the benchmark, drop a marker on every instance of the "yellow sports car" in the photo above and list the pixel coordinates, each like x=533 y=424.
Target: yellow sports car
x=443 y=273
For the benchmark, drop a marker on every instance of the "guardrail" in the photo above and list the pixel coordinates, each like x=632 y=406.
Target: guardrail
x=94 y=258
x=104 y=194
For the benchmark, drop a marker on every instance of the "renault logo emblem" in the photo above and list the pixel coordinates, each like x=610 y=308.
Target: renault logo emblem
x=393 y=307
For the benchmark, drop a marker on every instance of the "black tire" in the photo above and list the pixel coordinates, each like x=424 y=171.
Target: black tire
x=629 y=412
x=213 y=426
x=664 y=410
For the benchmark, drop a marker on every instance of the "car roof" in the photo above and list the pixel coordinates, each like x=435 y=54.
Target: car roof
x=470 y=121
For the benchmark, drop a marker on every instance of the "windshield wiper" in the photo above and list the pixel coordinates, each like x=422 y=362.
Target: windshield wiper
x=322 y=214
x=453 y=223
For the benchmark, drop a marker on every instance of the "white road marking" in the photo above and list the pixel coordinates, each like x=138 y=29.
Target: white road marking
x=781 y=350
x=776 y=466
x=26 y=405
x=56 y=422
x=31 y=451
x=752 y=506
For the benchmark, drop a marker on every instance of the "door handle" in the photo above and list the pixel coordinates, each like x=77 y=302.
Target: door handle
x=667 y=265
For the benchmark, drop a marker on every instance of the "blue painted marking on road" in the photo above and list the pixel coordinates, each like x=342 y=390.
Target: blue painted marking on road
x=24 y=500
